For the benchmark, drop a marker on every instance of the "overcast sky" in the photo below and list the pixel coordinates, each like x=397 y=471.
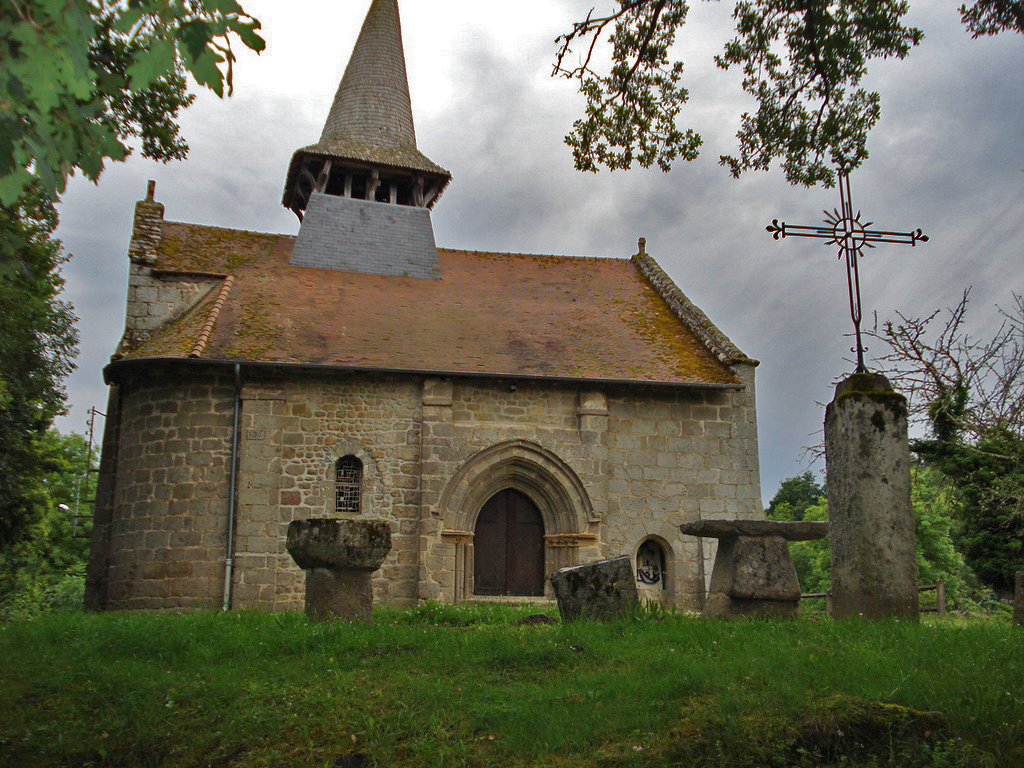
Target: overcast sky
x=947 y=156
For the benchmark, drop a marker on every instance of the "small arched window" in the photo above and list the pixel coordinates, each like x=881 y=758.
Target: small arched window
x=348 y=485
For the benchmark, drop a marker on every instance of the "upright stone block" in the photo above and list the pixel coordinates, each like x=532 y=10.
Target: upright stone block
x=871 y=523
x=603 y=589
x=339 y=558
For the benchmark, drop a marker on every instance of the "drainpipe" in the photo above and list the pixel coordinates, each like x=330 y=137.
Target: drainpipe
x=229 y=561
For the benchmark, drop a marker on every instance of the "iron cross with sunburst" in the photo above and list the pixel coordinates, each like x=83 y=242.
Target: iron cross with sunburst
x=844 y=228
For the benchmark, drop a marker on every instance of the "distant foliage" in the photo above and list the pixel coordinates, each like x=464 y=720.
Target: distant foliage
x=38 y=342
x=44 y=570
x=794 y=496
x=969 y=395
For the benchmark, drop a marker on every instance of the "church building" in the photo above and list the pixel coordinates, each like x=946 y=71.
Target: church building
x=507 y=414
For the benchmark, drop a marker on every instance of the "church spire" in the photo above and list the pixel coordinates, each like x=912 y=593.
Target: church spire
x=367 y=149
x=372 y=104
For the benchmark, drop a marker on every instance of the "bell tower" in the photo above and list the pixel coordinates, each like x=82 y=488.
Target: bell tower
x=363 y=192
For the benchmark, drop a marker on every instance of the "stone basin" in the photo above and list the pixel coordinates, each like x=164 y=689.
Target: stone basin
x=351 y=545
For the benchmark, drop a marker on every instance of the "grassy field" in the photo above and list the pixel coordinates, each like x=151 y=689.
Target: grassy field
x=442 y=686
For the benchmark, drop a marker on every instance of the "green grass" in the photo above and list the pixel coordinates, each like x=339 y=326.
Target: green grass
x=464 y=686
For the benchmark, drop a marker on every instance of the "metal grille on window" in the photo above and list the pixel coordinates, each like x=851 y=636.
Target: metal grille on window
x=348 y=481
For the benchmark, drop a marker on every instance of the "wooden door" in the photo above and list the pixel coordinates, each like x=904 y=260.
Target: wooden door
x=508 y=548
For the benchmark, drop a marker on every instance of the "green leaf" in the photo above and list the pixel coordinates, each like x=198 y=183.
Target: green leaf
x=152 y=64
x=224 y=6
x=246 y=31
x=206 y=72
x=13 y=185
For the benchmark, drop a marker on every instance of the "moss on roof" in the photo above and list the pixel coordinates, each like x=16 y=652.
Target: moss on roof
x=490 y=314
x=178 y=336
x=195 y=248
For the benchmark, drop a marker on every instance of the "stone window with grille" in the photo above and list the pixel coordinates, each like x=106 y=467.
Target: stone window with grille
x=348 y=485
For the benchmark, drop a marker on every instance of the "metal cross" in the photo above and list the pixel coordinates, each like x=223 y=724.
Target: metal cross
x=846 y=230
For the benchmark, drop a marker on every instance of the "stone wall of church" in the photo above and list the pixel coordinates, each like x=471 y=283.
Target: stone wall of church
x=677 y=456
x=292 y=434
x=164 y=531
x=648 y=459
x=495 y=433
x=609 y=468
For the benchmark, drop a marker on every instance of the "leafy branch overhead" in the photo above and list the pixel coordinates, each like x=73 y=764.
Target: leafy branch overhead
x=802 y=61
x=83 y=77
x=631 y=112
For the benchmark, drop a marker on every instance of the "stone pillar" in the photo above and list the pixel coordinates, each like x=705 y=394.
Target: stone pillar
x=871 y=523
x=339 y=558
x=1018 y=600
x=436 y=559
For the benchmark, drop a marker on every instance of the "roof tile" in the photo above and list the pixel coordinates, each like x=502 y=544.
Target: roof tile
x=489 y=314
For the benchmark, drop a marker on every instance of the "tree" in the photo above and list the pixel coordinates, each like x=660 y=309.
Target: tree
x=794 y=496
x=969 y=395
x=38 y=342
x=802 y=61
x=45 y=569
x=83 y=77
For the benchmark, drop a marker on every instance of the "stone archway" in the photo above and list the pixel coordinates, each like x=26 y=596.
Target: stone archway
x=541 y=476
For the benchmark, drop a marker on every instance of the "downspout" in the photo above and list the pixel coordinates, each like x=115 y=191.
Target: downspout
x=229 y=560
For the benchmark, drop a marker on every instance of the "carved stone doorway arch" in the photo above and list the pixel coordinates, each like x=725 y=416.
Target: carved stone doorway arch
x=540 y=475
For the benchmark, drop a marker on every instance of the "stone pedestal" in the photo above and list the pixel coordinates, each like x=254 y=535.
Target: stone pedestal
x=339 y=557
x=602 y=590
x=754 y=574
x=871 y=522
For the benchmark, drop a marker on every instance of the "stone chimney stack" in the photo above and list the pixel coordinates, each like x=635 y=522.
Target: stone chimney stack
x=146 y=228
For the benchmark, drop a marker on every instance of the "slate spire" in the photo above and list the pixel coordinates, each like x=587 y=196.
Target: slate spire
x=372 y=104
x=367 y=149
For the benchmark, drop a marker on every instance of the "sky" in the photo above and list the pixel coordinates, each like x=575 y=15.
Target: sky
x=947 y=156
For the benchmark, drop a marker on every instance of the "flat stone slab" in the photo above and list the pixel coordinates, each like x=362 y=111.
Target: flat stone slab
x=790 y=530
x=602 y=590
x=352 y=545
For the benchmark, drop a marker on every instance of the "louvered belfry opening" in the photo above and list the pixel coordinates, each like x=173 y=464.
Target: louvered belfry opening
x=367 y=149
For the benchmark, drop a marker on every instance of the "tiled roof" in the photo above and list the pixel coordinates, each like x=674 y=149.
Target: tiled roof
x=489 y=314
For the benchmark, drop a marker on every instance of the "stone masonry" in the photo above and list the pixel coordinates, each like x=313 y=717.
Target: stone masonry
x=608 y=468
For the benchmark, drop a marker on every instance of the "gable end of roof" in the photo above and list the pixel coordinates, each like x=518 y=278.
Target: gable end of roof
x=689 y=313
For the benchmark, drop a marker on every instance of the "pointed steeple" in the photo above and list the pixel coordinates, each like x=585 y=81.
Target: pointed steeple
x=372 y=104
x=367 y=149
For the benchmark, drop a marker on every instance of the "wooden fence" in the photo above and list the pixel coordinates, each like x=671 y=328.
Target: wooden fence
x=940 y=598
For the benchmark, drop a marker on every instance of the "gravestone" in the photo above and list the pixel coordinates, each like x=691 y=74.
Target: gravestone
x=753 y=573
x=871 y=522
x=339 y=558
x=602 y=590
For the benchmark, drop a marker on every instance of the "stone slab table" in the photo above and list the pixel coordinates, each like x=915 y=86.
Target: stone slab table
x=753 y=573
x=339 y=558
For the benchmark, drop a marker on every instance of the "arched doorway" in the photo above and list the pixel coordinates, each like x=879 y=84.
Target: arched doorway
x=508 y=546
